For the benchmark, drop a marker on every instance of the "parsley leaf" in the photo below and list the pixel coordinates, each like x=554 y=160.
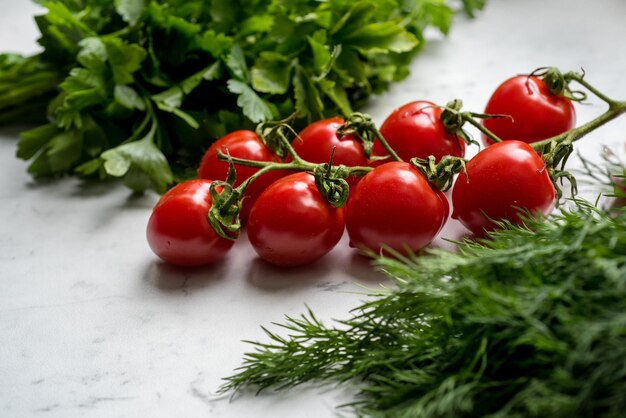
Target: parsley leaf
x=109 y=70
x=252 y=106
x=143 y=160
x=130 y=10
x=271 y=73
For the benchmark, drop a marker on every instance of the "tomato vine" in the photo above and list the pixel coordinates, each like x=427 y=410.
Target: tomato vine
x=505 y=181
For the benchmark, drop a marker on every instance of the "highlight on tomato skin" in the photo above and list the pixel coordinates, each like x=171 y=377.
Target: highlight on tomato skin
x=499 y=183
x=315 y=143
x=241 y=144
x=292 y=224
x=415 y=130
x=534 y=112
x=178 y=230
x=395 y=207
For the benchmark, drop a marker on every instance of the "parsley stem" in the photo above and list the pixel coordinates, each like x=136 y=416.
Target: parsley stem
x=150 y=116
x=24 y=91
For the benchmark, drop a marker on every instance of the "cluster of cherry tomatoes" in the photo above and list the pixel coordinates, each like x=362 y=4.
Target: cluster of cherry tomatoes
x=290 y=223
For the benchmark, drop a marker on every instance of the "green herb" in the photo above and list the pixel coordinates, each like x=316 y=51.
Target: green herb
x=528 y=323
x=140 y=88
x=610 y=176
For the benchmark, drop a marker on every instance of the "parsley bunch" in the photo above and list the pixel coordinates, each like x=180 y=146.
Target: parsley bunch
x=140 y=88
x=529 y=323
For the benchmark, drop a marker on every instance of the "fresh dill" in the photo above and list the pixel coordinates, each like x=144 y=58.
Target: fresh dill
x=530 y=322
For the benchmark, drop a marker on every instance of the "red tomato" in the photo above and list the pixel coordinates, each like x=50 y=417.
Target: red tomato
x=240 y=144
x=415 y=130
x=292 y=224
x=395 y=206
x=536 y=113
x=179 y=231
x=500 y=179
x=316 y=143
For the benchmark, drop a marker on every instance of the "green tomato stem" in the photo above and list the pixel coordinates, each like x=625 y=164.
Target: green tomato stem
x=580 y=80
x=616 y=109
x=298 y=164
x=385 y=144
x=361 y=125
x=469 y=117
x=292 y=152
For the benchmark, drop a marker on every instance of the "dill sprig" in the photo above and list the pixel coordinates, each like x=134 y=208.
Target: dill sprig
x=530 y=322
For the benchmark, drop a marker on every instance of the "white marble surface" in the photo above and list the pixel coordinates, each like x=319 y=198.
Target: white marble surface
x=92 y=325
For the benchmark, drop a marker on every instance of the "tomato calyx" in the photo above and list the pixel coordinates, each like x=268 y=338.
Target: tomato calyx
x=453 y=120
x=226 y=205
x=329 y=179
x=274 y=134
x=558 y=83
x=363 y=127
x=440 y=175
x=556 y=150
x=331 y=182
x=555 y=156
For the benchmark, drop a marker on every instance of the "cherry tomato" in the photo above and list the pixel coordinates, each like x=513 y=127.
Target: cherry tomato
x=499 y=181
x=292 y=224
x=415 y=130
x=536 y=113
x=178 y=230
x=240 y=144
x=316 y=143
x=395 y=206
